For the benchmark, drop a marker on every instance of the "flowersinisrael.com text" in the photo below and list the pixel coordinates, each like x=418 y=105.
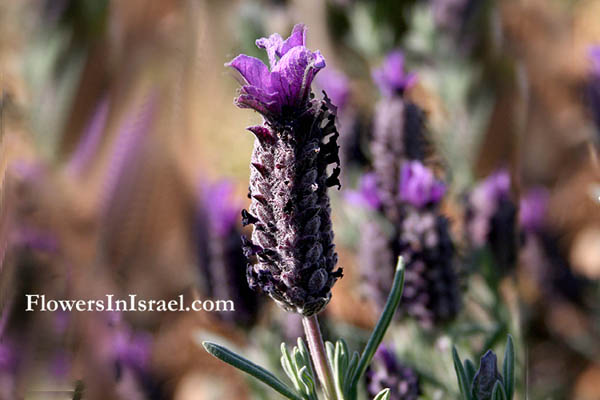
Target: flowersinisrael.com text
x=37 y=302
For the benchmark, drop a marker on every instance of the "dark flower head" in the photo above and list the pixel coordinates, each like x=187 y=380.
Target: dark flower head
x=291 y=251
x=336 y=85
x=418 y=185
x=391 y=78
x=486 y=377
x=286 y=86
x=366 y=195
x=532 y=209
x=386 y=371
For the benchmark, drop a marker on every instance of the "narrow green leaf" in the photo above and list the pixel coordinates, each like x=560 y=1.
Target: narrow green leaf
x=470 y=370
x=463 y=384
x=384 y=322
x=345 y=354
x=498 y=392
x=350 y=372
x=250 y=368
x=308 y=362
x=308 y=381
x=339 y=366
x=383 y=395
x=330 y=352
x=508 y=368
x=288 y=367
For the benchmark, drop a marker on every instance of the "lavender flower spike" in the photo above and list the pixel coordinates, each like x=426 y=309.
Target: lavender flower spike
x=386 y=372
x=397 y=131
x=418 y=185
x=291 y=250
x=391 y=78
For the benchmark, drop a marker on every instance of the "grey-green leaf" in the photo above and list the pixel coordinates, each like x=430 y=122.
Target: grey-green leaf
x=508 y=368
x=258 y=372
x=463 y=384
x=470 y=370
x=383 y=395
x=498 y=392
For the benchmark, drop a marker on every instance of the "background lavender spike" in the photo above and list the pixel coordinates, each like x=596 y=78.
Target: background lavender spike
x=397 y=133
x=386 y=371
x=431 y=290
x=219 y=249
x=292 y=251
x=491 y=219
x=375 y=258
x=542 y=253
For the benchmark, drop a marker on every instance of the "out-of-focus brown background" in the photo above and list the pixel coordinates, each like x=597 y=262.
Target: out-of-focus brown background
x=118 y=214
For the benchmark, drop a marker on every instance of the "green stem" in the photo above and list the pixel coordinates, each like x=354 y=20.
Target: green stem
x=319 y=356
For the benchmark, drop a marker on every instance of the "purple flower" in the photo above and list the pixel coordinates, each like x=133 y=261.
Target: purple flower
x=484 y=202
x=132 y=349
x=418 y=185
x=224 y=211
x=594 y=53
x=366 y=195
x=492 y=217
x=286 y=86
x=398 y=134
x=386 y=371
x=219 y=249
x=336 y=85
x=391 y=78
x=532 y=209
x=291 y=251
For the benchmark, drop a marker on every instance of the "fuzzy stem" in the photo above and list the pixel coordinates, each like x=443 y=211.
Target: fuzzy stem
x=319 y=356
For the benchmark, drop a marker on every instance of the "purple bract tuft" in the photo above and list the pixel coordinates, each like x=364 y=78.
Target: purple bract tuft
x=285 y=87
x=532 y=209
x=418 y=185
x=336 y=85
x=391 y=78
x=366 y=195
x=594 y=53
x=224 y=211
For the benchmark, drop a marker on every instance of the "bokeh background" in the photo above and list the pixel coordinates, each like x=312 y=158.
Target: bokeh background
x=121 y=154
